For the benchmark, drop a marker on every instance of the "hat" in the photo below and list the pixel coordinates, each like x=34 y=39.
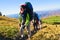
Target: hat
x=23 y=6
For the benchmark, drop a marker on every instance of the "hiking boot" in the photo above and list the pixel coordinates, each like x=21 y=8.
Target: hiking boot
x=22 y=37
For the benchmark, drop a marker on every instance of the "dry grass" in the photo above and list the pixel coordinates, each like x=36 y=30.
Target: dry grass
x=51 y=32
x=9 y=28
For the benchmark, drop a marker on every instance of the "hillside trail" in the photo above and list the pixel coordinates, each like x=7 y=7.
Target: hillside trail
x=35 y=31
x=32 y=33
x=26 y=36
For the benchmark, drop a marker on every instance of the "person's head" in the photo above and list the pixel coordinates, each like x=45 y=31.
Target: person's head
x=23 y=7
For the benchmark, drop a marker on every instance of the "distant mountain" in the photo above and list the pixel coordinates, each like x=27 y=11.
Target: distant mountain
x=40 y=14
x=13 y=15
x=48 y=13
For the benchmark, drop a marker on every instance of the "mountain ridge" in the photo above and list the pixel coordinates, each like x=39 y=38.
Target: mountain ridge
x=41 y=14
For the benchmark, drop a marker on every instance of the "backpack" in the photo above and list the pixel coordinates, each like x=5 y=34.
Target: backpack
x=36 y=16
x=29 y=9
x=29 y=6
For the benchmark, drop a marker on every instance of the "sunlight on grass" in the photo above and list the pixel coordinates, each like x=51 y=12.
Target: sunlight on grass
x=9 y=28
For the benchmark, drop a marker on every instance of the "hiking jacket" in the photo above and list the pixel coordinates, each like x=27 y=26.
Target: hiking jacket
x=27 y=19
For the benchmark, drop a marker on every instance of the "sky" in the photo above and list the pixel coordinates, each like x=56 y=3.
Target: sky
x=13 y=6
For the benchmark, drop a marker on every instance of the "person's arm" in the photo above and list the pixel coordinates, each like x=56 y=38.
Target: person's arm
x=21 y=12
x=20 y=19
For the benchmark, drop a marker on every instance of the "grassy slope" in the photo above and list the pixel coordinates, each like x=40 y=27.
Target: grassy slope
x=8 y=27
x=48 y=31
x=5 y=21
x=51 y=19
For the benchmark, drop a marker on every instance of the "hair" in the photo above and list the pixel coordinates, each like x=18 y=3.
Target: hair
x=23 y=6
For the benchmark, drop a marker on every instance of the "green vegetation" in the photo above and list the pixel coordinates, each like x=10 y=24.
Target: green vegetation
x=9 y=32
x=51 y=19
x=9 y=28
x=5 y=21
x=48 y=31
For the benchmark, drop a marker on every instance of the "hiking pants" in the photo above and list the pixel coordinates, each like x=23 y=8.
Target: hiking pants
x=35 y=26
x=23 y=26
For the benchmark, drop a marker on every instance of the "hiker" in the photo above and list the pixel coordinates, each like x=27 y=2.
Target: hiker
x=26 y=14
x=36 y=22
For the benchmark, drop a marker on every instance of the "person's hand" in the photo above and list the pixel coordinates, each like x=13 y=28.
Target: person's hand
x=39 y=23
x=31 y=22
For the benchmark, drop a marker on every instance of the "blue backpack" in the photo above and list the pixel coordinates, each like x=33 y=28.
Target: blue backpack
x=29 y=5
